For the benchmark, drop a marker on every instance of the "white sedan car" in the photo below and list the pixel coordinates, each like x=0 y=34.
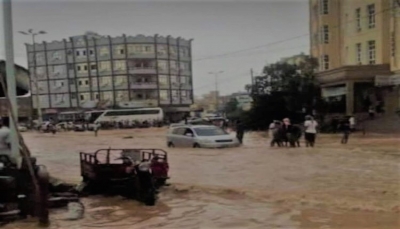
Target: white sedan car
x=200 y=136
x=22 y=128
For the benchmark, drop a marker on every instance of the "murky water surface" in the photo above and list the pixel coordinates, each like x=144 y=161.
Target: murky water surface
x=354 y=186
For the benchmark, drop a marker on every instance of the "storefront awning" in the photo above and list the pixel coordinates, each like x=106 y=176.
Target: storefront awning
x=333 y=91
x=388 y=80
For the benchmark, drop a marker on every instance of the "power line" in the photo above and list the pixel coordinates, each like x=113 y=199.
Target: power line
x=335 y=27
x=248 y=49
x=285 y=40
x=239 y=76
x=243 y=74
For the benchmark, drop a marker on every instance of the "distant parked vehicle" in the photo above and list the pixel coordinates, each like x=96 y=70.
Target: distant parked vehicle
x=200 y=136
x=22 y=128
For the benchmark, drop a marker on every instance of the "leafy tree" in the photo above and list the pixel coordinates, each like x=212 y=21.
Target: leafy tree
x=284 y=90
x=232 y=110
x=231 y=106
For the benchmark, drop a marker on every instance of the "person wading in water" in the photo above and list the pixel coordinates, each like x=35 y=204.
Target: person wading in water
x=287 y=132
x=96 y=128
x=239 y=131
x=311 y=130
x=345 y=128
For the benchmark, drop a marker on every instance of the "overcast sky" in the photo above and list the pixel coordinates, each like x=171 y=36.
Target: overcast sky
x=230 y=36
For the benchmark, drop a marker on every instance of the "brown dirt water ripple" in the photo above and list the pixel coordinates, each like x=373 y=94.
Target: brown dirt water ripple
x=331 y=186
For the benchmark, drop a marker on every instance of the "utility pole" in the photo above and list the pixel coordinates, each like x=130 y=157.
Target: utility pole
x=31 y=33
x=11 y=83
x=216 y=74
x=252 y=77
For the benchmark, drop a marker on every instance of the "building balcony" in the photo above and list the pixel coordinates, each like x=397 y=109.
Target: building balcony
x=181 y=86
x=357 y=73
x=144 y=85
x=141 y=55
x=135 y=103
x=165 y=101
x=142 y=70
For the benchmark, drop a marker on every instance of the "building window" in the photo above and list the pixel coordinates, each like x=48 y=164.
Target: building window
x=69 y=52
x=71 y=81
x=324 y=7
x=358 y=19
x=73 y=96
x=104 y=51
x=56 y=56
x=121 y=51
x=85 y=67
x=326 y=34
x=105 y=66
x=97 y=96
x=82 y=97
x=325 y=62
x=139 y=49
x=164 y=96
x=359 y=53
x=91 y=52
x=371 y=16
x=86 y=82
x=93 y=67
x=78 y=68
x=120 y=65
x=84 y=52
x=78 y=53
x=148 y=48
x=371 y=52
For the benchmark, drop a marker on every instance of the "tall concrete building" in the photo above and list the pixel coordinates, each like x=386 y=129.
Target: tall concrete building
x=355 y=43
x=100 y=72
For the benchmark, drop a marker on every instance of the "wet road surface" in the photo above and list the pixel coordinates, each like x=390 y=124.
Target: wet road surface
x=330 y=186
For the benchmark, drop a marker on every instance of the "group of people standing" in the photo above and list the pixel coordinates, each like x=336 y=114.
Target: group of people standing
x=284 y=133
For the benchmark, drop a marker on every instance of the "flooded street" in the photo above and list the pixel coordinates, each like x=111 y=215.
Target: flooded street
x=330 y=186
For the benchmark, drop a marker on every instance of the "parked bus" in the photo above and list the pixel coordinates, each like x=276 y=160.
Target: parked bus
x=71 y=116
x=120 y=115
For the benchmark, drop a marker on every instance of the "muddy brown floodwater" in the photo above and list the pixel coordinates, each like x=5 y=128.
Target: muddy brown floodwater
x=354 y=186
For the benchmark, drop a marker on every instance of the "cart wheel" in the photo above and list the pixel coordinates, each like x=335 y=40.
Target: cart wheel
x=171 y=145
x=196 y=145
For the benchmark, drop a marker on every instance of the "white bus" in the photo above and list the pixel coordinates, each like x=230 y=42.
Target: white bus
x=120 y=115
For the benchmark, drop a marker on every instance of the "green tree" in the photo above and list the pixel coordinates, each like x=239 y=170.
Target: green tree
x=284 y=90
x=231 y=106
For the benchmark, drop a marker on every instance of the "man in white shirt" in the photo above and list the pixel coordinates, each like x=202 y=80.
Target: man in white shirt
x=272 y=127
x=352 y=122
x=311 y=130
x=5 y=148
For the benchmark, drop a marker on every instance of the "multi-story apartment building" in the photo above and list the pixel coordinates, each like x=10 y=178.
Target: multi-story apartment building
x=98 y=72
x=355 y=42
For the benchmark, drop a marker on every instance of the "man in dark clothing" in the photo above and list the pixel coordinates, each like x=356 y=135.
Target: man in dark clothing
x=278 y=135
x=289 y=132
x=239 y=131
x=345 y=128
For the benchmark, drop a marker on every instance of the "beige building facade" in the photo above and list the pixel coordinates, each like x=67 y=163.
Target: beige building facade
x=355 y=42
